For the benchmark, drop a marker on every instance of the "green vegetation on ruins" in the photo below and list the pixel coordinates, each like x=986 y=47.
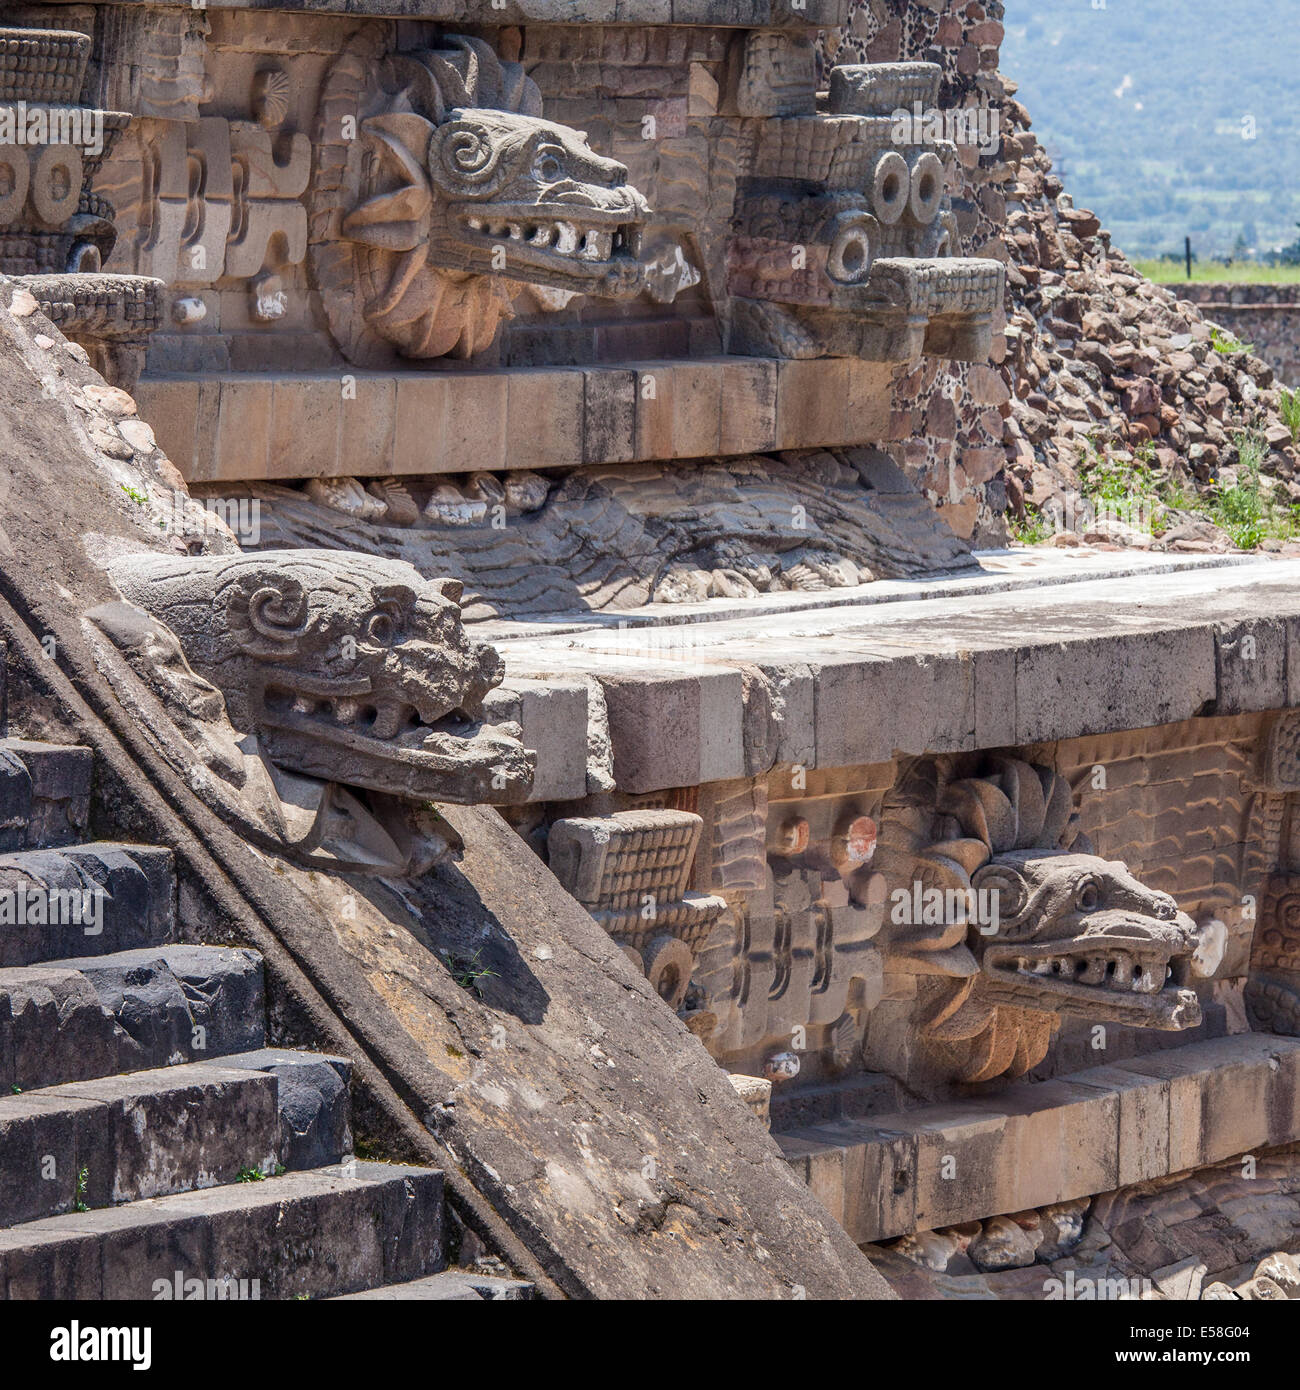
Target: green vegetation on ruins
x=1127 y=486
x=1172 y=271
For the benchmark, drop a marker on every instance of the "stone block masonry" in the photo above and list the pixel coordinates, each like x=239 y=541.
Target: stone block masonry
x=949 y=674
x=1266 y=316
x=1101 y=1129
x=251 y=426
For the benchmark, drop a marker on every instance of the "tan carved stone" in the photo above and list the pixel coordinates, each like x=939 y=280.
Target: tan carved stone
x=1273 y=989
x=348 y=668
x=195 y=230
x=844 y=244
x=1001 y=908
x=630 y=870
x=439 y=188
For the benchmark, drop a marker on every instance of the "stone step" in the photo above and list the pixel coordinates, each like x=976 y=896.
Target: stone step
x=44 y=793
x=74 y=1020
x=103 y=898
x=316 y=1234
x=452 y=1285
x=127 y=1138
x=315 y=1114
x=852 y=1097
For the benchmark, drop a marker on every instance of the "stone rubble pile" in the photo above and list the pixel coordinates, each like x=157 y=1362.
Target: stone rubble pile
x=1096 y=352
x=1211 y=1234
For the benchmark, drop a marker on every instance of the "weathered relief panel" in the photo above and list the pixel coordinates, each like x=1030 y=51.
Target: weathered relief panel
x=605 y=190
x=899 y=932
x=655 y=230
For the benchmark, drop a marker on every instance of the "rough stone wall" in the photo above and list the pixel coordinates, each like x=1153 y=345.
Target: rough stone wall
x=1092 y=348
x=948 y=417
x=1266 y=316
x=1098 y=353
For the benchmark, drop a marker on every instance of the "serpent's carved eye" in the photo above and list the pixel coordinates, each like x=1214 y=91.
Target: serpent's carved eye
x=381 y=628
x=1087 y=896
x=547 y=167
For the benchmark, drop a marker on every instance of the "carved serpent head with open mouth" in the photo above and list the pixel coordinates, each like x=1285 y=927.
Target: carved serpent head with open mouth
x=348 y=667
x=455 y=193
x=500 y=193
x=1081 y=934
x=1038 y=927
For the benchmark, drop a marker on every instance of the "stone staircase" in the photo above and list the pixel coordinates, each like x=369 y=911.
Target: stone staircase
x=151 y=1144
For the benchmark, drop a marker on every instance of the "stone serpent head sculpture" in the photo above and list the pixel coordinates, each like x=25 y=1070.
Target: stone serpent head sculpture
x=1035 y=926
x=453 y=192
x=348 y=668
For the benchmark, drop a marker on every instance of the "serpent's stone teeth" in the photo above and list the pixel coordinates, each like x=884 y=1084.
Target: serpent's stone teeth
x=1148 y=981
x=566 y=240
x=1095 y=971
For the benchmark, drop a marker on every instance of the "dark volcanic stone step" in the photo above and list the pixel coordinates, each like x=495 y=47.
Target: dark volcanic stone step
x=105 y=898
x=125 y=1138
x=44 y=793
x=325 y=1232
x=452 y=1285
x=73 y=1020
x=313 y=1101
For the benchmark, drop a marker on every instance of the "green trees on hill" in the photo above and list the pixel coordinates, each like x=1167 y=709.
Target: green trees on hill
x=1169 y=118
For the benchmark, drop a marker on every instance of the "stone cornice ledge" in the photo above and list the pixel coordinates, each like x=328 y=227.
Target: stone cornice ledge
x=698 y=703
x=723 y=14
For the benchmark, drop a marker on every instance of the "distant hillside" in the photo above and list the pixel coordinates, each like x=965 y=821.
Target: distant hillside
x=1144 y=103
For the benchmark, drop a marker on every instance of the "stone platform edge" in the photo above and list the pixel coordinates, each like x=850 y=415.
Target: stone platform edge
x=1054 y=1141
x=252 y=426
x=722 y=14
x=685 y=717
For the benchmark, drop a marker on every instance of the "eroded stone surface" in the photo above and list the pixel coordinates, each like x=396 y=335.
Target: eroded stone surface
x=350 y=669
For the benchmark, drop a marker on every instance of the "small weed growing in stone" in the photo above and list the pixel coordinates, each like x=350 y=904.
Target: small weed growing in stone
x=466 y=970
x=1121 y=484
x=256 y=1174
x=1227 y=343
x=1240 y=508
x=135 y=495
x=79 y=1197
x=1031 y=529
x=1289 y=410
